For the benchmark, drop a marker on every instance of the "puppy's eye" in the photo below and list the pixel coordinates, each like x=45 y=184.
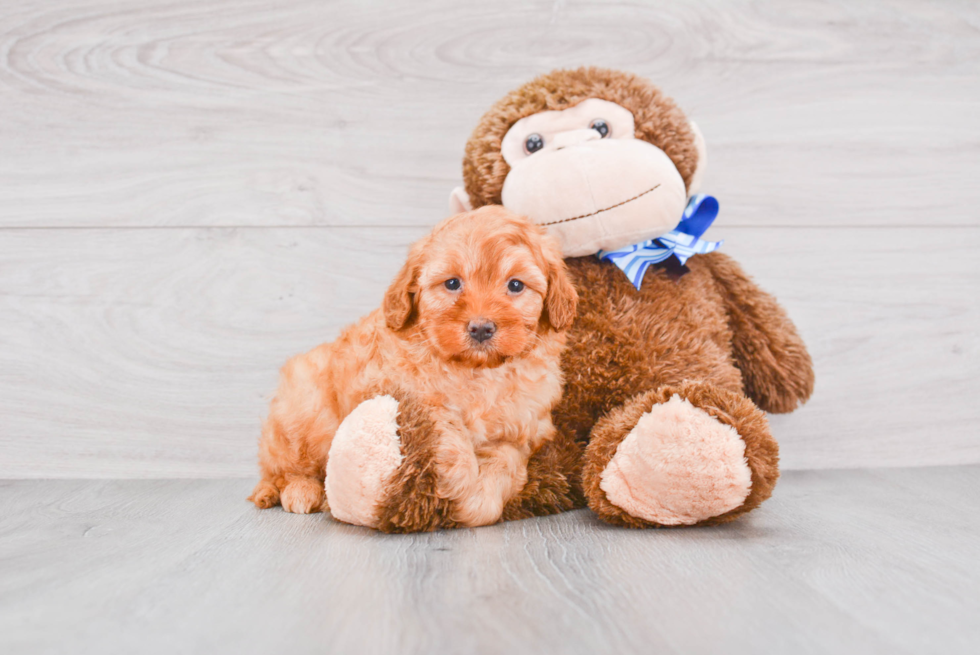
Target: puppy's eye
x=453 y=284
x=515 y=286
x=600 y=126
x=533 y=143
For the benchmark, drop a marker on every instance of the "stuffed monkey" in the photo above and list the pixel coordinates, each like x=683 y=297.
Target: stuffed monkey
x=675 y=354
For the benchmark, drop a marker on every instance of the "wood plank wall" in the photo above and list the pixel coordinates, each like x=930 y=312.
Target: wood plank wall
x=192 y=191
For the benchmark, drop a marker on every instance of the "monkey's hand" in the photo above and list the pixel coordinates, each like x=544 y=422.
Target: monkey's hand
x=776 y=368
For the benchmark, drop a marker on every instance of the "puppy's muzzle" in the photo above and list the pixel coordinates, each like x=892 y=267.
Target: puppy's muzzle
x=481 y=330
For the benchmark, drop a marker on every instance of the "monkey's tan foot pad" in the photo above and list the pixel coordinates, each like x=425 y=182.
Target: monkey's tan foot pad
x=364 y=455
x=678 y=466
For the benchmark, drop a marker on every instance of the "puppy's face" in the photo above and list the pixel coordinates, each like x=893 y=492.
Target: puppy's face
x=482 y=287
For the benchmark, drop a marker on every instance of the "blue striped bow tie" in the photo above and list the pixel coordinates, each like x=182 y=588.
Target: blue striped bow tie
x=682 y=242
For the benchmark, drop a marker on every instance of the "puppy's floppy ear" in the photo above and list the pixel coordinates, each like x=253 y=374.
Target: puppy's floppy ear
x=561 y=299
x=399 y=302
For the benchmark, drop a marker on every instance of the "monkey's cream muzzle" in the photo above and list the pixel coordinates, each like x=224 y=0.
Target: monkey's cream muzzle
x=598 y=194
x=582 y=173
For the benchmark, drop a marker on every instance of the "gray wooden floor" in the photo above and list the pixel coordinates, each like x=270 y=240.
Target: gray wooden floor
x=859 y=561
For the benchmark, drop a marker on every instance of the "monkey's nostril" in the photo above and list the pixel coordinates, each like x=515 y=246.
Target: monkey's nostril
x=480 y=331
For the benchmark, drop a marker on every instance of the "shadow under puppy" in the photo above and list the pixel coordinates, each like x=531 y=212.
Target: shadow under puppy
x=424 y=414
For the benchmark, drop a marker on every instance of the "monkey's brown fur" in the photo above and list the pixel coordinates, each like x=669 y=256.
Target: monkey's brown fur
x=411 y=503
x=657 y=118
x=711 y=336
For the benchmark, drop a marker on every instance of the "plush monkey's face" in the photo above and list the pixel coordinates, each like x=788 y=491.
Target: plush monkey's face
x=582 y=173
x=599 y=175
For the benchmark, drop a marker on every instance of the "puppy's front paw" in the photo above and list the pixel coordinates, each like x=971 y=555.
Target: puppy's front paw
x=363 y=456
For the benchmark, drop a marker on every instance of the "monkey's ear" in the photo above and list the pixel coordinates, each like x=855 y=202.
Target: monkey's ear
x=399 y=302
x=695 y=184
x=459 y=201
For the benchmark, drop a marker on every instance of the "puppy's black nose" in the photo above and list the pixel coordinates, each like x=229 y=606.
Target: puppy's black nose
x=481 y=330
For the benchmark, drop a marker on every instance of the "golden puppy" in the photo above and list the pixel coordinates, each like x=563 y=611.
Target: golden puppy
x=424 y=414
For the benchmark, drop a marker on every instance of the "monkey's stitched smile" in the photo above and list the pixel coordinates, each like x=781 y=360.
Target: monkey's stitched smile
x=605 y=209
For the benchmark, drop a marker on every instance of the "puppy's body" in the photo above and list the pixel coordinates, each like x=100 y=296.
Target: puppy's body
x=489 y=398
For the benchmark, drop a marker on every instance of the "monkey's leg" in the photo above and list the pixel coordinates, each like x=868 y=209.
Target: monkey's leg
x=380 y=471
x=553 y=481
x=685 y=455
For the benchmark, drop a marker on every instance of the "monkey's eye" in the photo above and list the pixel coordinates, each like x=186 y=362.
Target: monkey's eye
x=533 y=143
x=600 y=126
x=515 y=286
x=453 y=284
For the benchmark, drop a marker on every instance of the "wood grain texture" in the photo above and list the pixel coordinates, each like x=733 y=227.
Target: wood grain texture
x=837 y=562
x=194 y=191
x=152 y=353
x=304 y=112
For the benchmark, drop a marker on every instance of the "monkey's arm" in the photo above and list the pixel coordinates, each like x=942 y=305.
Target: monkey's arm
x=776 y=368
